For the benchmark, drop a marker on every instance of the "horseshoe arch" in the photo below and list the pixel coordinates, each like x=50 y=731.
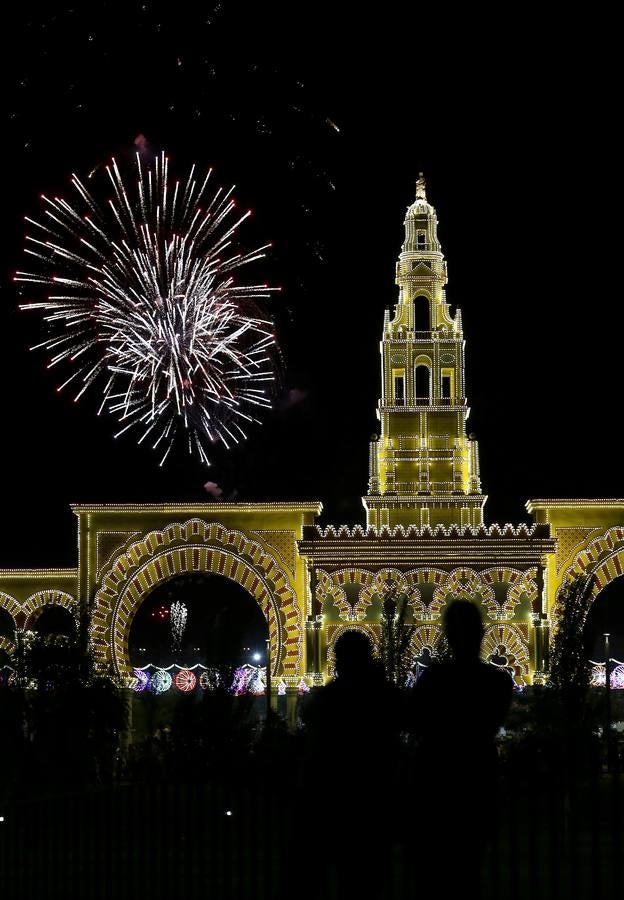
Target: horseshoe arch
x=194 y=546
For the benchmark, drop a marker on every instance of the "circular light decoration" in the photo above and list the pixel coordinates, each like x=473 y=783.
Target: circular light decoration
x=185 y=681
x=617 y=677
x=142 y=680
x=161 y=681
x=597 y=676
x=240 y=681
x=257 y=683
x=205 y=681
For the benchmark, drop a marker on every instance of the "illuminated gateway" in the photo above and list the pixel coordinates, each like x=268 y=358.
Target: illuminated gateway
x=424 y=531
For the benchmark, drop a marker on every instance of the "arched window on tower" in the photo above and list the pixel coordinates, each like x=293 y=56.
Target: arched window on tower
x=422 y=385
x=398 y=386
x=422 y=314
x=447 y=386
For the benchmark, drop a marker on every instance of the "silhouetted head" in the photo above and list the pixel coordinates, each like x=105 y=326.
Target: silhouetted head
x=464 y=629
x=354 y=654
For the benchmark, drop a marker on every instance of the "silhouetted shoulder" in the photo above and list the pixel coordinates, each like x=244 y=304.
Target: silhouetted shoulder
x=466 y=702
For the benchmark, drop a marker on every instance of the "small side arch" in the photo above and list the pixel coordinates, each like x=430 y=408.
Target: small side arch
x=427 y=636
x=506 y=640
x=370 y=632
x=518 y=583
x=37 y=602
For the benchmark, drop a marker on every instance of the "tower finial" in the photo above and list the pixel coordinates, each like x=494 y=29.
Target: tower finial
x=420 y=187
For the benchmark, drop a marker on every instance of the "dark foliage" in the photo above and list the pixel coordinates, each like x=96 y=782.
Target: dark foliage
x=569 y=670
x=396 y=636
x=66 y=720
x=209 y=736
x=541 y=739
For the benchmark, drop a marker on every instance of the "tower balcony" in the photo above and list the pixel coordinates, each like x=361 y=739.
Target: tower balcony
x=434 y=404
x=420 y=488
x=417 y=337
x=424 y=455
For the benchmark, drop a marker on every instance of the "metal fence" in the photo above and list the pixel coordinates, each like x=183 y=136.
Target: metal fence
x=154 y=841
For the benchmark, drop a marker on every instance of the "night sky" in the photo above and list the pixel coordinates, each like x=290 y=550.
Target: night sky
x=515 y=131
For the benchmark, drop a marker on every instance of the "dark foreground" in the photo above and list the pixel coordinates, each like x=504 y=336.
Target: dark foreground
x=212 y=841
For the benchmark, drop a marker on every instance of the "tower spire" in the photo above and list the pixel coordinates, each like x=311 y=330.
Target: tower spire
x=421 y=184
x=424 y=468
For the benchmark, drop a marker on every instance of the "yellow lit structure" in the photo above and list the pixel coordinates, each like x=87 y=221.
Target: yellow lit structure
x=424 y=531
x=424 y=469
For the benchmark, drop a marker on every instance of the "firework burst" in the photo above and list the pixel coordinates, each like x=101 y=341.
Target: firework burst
x=139 y=296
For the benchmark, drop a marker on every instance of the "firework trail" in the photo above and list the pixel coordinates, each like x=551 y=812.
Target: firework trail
x=179 y=614
x=139 y=295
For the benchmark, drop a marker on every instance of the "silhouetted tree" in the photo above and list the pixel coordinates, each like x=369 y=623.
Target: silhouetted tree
x=396 y=636
x=75 y=715
x=12 y=737
x=569 y=669
x=573 y=709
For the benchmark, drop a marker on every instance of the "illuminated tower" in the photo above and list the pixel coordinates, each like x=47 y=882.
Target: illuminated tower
x=424 y=468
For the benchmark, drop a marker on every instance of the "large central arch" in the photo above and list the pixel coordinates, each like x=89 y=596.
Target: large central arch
x=194 y=546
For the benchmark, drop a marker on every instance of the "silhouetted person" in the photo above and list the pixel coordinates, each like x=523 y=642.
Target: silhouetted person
x=352 y=736
x=457 y=709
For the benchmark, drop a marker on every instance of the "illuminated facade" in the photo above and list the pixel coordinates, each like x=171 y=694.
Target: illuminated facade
x=424 y=531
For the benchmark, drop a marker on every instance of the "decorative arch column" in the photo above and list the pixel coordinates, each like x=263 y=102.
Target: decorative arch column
x=7 y=646
x=13 y=607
